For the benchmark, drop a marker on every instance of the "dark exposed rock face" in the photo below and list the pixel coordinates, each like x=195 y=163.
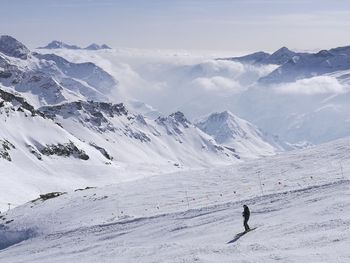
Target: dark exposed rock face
x=13 y=48
x=44 y=197
x=5 y=147
x=173 y=122
x=50 y=195
x=65 y=150
x=94 y=114
x=9 y=97
x=96 y=109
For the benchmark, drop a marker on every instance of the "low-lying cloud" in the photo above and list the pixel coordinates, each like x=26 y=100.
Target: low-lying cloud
x=313 y=86
x=218 y=83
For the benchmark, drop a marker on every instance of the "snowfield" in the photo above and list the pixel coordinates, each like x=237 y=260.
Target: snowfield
x=299 y=202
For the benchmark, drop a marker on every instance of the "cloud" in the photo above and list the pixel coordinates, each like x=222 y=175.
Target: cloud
x=218 y=83
x=170 y=81
x=313 y=86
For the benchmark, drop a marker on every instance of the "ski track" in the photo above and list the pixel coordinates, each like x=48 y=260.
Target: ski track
x=185 y=236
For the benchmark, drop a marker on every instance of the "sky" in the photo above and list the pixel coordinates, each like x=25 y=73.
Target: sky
x=230 y=25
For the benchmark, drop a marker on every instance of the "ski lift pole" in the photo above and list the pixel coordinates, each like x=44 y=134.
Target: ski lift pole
x=261 y=187
x=188 y=203
x=341 y=169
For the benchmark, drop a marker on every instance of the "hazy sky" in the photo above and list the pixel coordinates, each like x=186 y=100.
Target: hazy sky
x=237 y=25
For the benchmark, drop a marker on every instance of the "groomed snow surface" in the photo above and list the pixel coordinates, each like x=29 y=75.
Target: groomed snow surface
x=299 y=201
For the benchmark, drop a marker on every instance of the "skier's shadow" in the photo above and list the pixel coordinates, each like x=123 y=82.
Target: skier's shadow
x=239 y=235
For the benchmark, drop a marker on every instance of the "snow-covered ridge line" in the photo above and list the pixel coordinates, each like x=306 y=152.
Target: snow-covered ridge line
x=59 y=45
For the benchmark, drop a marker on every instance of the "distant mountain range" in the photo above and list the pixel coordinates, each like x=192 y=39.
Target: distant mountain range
x=57 y=121
x=59 y=45
x=298 y=65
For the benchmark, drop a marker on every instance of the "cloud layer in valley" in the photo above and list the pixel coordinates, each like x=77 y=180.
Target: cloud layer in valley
x=313 y=86
x=199 y=84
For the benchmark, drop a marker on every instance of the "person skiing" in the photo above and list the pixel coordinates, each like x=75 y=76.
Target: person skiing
x=246 y=215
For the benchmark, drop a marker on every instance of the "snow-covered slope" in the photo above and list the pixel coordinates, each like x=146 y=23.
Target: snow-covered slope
x=134 y=138
x=38 y=154
x=301 y=214
x=245 y=138
x=77 y=143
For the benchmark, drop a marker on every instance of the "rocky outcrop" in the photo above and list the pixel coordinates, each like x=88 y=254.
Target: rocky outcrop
x=65 y=150
x=5 y=147
x=174 y=122
x=16 y=99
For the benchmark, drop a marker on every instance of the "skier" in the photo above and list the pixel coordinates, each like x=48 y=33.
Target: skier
x=246 y=215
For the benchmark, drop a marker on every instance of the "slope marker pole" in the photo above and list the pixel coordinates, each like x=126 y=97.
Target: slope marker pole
x=341 y=169
x=188 y=203
x=261 y=187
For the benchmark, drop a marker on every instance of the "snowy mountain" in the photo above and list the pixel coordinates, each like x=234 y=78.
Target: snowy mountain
x=247 y=140
x=46 y=79
x=77 y=143
x=13 y=48
x=61 y=45
x=55 y=44
x=97 y=47
x=300 y=214
x=310 y=65
x=297 y=65
x=279 y=57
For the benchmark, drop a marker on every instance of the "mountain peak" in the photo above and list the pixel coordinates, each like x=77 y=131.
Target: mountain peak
x=95 y=46
x=281 y=56
x=180 y=118
x=12 y=47
x=221 y=116
x=238 y=134
x=55 y=44
x=104 y=46
x=283 y=50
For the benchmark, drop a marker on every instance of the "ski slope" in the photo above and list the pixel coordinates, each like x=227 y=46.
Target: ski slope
x=299 y=202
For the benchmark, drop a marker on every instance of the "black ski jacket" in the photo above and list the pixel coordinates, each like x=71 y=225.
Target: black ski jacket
x=246 y=213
